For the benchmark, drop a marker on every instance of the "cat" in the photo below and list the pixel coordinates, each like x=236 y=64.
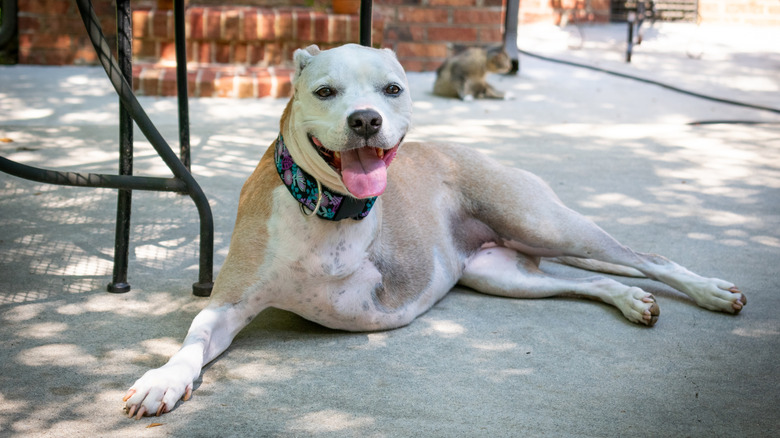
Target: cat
x=463 y=75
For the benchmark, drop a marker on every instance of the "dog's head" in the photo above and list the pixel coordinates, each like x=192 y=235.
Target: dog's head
x=351 y=108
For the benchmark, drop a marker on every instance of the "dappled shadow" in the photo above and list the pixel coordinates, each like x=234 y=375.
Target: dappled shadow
x=706 y=196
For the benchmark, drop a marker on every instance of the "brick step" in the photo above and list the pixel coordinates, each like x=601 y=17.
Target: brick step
x=243 y=35
x=214 y=80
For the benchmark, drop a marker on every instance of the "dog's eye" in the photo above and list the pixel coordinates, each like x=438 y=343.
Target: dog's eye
x=325 y=92
x=393 y=89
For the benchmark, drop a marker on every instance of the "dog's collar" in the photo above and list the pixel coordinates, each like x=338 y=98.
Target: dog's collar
x=309 y=192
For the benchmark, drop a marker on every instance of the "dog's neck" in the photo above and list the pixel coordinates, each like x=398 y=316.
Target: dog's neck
x=312 y=195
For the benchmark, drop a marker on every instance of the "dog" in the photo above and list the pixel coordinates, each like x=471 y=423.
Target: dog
x=313 y=235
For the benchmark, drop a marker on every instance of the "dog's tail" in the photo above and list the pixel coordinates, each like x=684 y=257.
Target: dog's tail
x=599 y=266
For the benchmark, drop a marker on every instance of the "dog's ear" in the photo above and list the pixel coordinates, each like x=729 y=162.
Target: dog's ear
x=391 y=53
x=301 y=57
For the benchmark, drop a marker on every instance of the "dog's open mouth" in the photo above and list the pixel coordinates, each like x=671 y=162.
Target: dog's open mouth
x=363 y=170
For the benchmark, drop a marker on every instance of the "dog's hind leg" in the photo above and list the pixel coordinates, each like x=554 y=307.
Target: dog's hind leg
x=506 y=272
x=531 y=219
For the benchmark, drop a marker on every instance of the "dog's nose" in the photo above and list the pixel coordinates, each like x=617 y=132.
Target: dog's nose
x=365 y=123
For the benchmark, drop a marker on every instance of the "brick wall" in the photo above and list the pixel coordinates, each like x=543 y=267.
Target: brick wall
x=242 y=35
x=233 y=51
x=51 y=31
x=753 y=12
x=424 y=32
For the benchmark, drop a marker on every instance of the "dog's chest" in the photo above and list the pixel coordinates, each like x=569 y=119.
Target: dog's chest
x=319 y=269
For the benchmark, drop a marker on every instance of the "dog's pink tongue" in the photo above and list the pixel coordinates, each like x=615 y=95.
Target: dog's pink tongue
x=363 y=172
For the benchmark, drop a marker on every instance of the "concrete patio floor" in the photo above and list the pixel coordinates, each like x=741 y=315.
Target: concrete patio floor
x=622 y=152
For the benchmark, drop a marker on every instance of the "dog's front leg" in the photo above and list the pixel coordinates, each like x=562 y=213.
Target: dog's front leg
x=211 y=332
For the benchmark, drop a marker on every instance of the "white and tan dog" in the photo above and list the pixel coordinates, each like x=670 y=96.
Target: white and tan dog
x=447 y=216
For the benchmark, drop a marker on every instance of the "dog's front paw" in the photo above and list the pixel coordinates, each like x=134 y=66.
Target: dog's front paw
x=638 y=306
x=718 y=295
x=157 y=391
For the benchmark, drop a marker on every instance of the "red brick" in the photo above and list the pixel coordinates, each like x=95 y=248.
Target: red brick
x=266 y=25
x=320 y=27
x=46 y=41
x=205 y=52
x=52 y=25
x=256 y=53
x=108 y=23
x=457 y=3
x=244 y=87
x=230 y=25
x=85 y=55
x=45 y=7
x=478 y=16
x=423 y=15
x=407 y=32
x=303 y=26
x=240 y=53
x=28 y=24
x=284 y=85
x=264 y=83
x=149 y=81
x=211 y=24
x=206 y=88
x=398 y=2
x=222 y=53
x=161 y=24
x=490 y=35
x=194 y=17
x=25 y=41
x=283 y=26
x=337 y=28
x=421 y=50
x=223 y=86
x=144 y=49
x=167 y=51
x=354 y=31
x=249 y=31
x=272 y=54
x=454 y=34
x=168 y=82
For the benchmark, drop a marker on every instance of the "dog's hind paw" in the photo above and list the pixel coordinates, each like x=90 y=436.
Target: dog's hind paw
x=157 y=392
x=740 y=300
x=718 y=295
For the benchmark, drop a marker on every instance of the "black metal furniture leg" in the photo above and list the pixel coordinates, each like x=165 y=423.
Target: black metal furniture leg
x=510 y=34
x=124 y=26
x=181 y=82
x=366 y=7
x=630 y=39
x=124 y=90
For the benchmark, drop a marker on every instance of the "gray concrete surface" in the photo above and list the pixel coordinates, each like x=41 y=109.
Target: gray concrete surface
x=620 y=151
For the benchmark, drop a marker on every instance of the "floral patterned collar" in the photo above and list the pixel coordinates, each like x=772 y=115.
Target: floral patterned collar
x=309 y=192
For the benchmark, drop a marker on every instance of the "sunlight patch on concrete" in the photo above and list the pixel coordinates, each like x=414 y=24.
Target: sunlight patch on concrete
x=329 y=420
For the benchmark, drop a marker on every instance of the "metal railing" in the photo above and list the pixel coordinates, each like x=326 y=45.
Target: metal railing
x=119 y=71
